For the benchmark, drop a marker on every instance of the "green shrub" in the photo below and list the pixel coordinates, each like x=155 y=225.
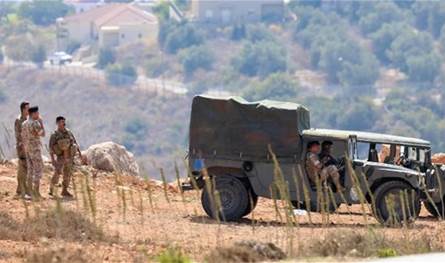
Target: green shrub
x=38 y=55
x=121 y=75
x=196 y=57
x=172 y=255
x=386 y=253
x=260 y=59
x=180 y=36
x=155 y=67
x=278 y=86
x=107 y=56
x=43 y=12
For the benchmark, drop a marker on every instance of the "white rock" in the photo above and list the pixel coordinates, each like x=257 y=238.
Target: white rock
x=111 y=157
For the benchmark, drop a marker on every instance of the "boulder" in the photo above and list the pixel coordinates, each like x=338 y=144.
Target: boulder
x=111 y=157
x=438 y=158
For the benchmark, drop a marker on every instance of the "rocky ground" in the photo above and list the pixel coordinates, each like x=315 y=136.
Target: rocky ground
x=137 y=220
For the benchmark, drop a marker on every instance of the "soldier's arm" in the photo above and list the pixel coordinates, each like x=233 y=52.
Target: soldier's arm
x=52 y=143
x=316 y=161
x=77 y=145
x=18 y=131
x=42 y=128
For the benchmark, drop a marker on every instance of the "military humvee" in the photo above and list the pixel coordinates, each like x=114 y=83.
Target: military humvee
x=237 y=145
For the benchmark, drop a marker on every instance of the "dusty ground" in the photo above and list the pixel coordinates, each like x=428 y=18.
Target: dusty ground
x=144 y=231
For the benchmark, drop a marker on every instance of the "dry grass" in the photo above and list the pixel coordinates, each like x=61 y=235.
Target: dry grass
x=370 y=244
x=66 y=225
x=59 y=255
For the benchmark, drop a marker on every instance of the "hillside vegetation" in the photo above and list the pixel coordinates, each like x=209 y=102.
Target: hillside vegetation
x=365 y=65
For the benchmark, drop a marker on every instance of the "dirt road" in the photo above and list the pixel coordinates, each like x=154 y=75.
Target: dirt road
x=147 y=221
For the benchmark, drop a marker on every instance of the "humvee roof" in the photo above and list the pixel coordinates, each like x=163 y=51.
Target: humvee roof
x=367 y=137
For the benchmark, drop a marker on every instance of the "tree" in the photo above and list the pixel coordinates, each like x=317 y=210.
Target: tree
x=357 y=115
x=1 y=57
x=39 y=55
x=43 y=12
x=423 y=68
x=380 y=14
x=196 y=57
x=121 y=75
x=107 y=56
x=260 y=59
x=383 y=38
x=279 y=86
x=180 y=36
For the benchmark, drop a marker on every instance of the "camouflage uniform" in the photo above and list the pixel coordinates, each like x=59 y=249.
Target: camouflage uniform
x=64 y=146
x=316 y=170
x=33 y=147
x=21 y=155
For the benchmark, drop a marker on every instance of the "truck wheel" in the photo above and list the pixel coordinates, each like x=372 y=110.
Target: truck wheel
x=253 y=200
x=314 y=208
x=233 y=195
x=431 y=207
x=391 y=207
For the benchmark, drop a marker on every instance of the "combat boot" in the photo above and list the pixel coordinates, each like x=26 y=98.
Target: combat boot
x=65 y=193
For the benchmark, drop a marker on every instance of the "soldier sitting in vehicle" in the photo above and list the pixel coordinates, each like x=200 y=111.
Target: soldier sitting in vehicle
x=317 y=171
x=325 y=156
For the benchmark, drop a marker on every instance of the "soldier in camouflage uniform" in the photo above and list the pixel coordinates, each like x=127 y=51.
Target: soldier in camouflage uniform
x=21 y=155
x=32 y=130
x=317 y=171
x=63 y=148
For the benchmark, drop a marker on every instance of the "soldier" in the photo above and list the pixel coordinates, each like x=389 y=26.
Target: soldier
x=63 y=148
x=32 y=130
x=316 y=170
x=21 y=155
x=325 y=155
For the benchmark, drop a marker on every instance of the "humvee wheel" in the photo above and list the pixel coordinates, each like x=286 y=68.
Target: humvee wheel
x=314 y=208
x=431 y=207
x=253 y=200
x=396 y=202
x=233 y=199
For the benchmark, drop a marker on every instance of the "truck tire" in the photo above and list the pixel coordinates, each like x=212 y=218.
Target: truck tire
x=395 y=215
x=431 y=208
x=253 y=200
x=234 y=199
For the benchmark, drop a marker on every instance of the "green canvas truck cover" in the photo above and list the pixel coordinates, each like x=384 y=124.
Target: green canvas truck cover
x=233 y=128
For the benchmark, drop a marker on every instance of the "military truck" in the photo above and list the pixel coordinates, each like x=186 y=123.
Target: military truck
x=235 y=147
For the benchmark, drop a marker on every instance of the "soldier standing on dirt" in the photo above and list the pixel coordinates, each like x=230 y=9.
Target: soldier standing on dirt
x=21 y=155
x=63 y=148
x=316 y=170
x=32 y=130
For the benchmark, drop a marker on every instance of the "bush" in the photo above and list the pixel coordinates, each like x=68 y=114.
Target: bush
x=121 y=75
x=107 y=56
x=136 y=127
x=180 y=36
x=383 y=38
x=260 y=59
x=155 y=67
x=256 y=33
x=1 y=57
x=172 y=255
x=38 y=55
x=18 y=48
x=378 y=15
x=43 y=12
x=278 y=86
x=424 y=68
x=196 y=57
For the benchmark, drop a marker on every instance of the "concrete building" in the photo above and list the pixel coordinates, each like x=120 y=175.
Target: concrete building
x=110 y=25
x=240 y=11
x=84 y=5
